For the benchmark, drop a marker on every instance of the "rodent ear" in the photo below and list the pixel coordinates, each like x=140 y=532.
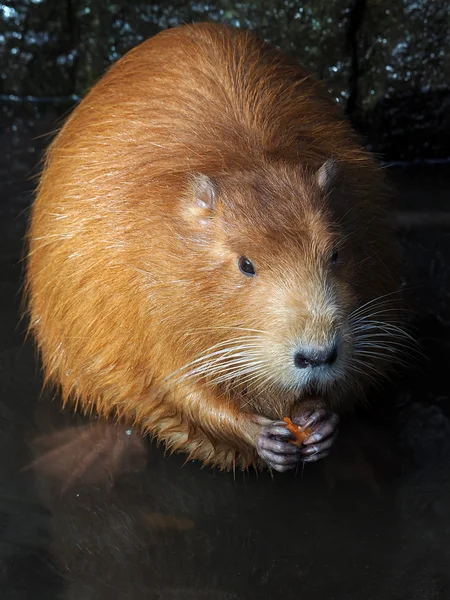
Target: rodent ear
x=205 y=192
x=201 y=200
x=327 y=173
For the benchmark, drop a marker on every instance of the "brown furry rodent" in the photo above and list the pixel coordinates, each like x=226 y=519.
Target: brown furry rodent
x=208 y=252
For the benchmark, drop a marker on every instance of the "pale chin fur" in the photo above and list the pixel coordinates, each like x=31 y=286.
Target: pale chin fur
x=320 y=380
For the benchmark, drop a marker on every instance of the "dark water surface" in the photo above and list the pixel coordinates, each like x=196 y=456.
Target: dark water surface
x=371 y=522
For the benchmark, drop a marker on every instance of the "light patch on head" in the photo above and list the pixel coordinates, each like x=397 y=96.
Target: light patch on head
x=326 y=175
x=201 y=200
x=205 y=192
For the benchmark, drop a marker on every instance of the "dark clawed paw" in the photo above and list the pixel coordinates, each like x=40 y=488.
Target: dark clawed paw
x=274 y=444
x=324 y=426
x=275 y=448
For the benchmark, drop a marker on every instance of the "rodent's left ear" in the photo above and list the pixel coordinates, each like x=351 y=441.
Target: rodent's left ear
x=327 y=174
x=201 y=201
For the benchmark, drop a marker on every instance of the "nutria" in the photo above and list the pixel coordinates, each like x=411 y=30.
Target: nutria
x=209 y=253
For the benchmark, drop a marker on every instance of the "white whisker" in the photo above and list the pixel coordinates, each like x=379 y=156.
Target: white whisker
x=236 y=374
x=228 y=349
x=360 y=308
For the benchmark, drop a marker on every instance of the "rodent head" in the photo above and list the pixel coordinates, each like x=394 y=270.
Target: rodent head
x=278 y=256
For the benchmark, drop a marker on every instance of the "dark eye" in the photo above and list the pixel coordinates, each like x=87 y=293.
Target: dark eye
x=334 y=257
x=246 y=266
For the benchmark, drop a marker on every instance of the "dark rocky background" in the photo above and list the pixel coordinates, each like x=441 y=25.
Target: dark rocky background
x=372 y=522
x=386 y=61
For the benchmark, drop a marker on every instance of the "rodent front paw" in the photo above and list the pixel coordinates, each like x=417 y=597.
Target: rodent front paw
x=323 y=426
x=275 y=445
x=275 y=448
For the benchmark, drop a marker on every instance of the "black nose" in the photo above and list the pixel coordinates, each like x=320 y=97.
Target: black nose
x=315 y=356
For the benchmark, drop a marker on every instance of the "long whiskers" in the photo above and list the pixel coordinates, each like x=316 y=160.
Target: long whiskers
x=241 y=365
x=224 y=361
x=376 y=301
x=378 y=336
x=226 y=327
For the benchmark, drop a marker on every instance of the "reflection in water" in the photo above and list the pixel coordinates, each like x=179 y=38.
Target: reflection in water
x=159 y=528
x=93 y=453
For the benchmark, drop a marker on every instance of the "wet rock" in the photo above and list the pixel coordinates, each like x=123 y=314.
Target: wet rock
x=386 y=62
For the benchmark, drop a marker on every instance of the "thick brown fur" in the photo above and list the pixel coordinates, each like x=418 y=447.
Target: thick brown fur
x=201 y=145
